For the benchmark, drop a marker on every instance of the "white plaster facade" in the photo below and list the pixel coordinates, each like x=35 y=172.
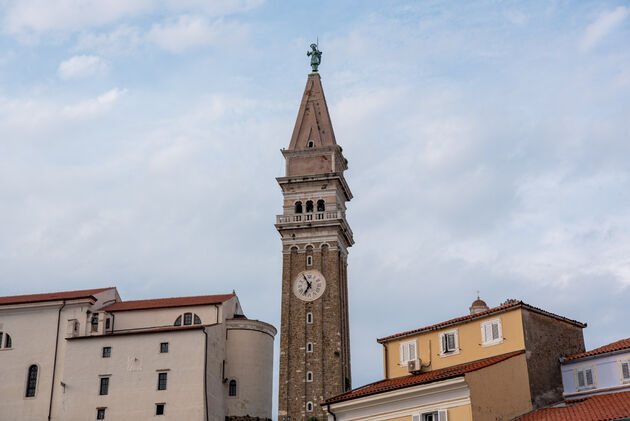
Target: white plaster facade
x=65 y=334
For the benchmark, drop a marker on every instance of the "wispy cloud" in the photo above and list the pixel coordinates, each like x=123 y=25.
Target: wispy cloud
x=605 y=23
x=95 y=106
x=80 y=66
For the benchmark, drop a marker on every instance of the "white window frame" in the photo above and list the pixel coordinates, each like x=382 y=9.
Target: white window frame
x=443 y=352
x=584 y=369
x=309 y=347
x=405 y=352
x=309 y=318
x=623 y=379
x=309 y=260
x=438 y=415
x=309 y=406
x=309 y=376
x=492 y=341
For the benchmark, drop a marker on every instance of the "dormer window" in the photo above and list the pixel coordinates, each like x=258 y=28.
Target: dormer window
x=310 y=144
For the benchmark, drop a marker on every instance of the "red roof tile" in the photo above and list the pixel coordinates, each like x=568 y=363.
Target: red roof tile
x=607 y=407
x=488 y=312
x=53 y=296
x=421 y=378
x=168 y=302
x=615 y=346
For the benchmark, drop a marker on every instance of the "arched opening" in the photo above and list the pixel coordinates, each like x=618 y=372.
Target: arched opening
x=309 y=206
x=94 y=323
x=309 y=376
x=309 y=406
x=321 y=206
x=309 y=347
x=31 y=382
x=298 y=207
x=310 y=144
x=178 y=321
x=232 y=388
x=197 y=320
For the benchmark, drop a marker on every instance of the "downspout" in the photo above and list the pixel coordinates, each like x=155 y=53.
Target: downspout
x=52 y=386
x=331 y=412
x=205 y=373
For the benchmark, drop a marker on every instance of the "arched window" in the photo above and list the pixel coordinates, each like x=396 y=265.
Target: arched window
x=298 y=207
x=309 y=347
x=309 y=318
x=31 y=381
x=309 y=206
x=187 y=318
x=321 y=206
x=232 y=388
x=309 y=406
x=197 y=320
x=178 y=321
x=309 y=376
x=310 y=144
x=94 y=323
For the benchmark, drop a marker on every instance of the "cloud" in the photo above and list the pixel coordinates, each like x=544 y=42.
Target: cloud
x=80 y=66
x=188 y=32
x=605 y=23
x=92 y=107
x=122 y=40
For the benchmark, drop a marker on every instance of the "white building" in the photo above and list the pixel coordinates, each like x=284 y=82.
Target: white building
x=82 y=355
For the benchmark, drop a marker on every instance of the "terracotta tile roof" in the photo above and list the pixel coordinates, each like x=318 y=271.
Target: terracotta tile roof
x=488 y=312
x=53 y=296
x=142 y=331
x=607 y=407
x=615 y=346
x=168 y=302
x=421 y=378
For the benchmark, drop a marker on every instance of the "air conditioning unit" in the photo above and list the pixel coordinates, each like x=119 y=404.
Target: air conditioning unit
x=414 y=365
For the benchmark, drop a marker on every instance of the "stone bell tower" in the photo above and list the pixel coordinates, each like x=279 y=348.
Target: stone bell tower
x=314 y=338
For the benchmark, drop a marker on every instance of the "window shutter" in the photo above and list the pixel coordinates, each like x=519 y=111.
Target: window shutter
x=415 y=417
x=580 y=379
x=495 y=331
x=442 y=415
x=412 y=350
x=589 y=377
x=444 y=343
x=625 y=370
x=450 y=341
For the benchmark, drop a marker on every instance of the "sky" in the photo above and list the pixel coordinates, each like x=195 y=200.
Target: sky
x=488 y=146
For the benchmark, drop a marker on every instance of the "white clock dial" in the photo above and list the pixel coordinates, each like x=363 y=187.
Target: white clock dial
x=309 y=285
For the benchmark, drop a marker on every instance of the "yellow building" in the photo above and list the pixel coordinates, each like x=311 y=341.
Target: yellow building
x=492 y=364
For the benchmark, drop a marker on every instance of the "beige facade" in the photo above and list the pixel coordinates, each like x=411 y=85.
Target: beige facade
x=202 y=348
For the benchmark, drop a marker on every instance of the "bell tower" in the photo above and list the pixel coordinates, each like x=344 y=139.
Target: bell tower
x=314 y=333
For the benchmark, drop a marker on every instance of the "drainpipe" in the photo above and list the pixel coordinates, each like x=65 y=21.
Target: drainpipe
x=331 y=412
x=205 y=373
x=52 y=386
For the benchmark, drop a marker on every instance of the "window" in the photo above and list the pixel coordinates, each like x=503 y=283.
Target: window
x=162 y=381
x=7 y=341
x=585 y=378
x=187 y=318
x=31 y=381
x=309 y=347
x=321 y=206
x=440 y=415
x=625 y=371
x=232 y=388
x=309 y=206
x=197 y=320
x=491 y=333
x=94 y=323
x=448 y=343
x=309 y=260
x=309 y=318
x=309 y=376
x=100 y=413
x=178 y=321
x=164 y=347
x=107 y=351
x=107 y=323
x=159 y=408
x=298 y=207
x=309 y=406
x=104 y=389
x=407 y=352
x=310 y=144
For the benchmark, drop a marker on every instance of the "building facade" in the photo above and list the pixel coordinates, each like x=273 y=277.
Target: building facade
x=88 y=355
x=314 y=333
x=492 y=364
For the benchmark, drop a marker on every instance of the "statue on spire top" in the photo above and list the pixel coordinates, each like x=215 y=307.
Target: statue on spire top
x=316 y=57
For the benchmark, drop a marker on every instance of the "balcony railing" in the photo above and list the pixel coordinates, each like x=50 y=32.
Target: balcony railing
x=308 y=217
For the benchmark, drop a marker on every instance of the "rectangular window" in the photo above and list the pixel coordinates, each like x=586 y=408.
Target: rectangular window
x=100 y=414
x=159 y=409
x=441 y=415
x=407 y=352
x=491 y=332
x=107 y=323
x=107 y=351
x=104 y=389
x=625 y=371
x=164 y=347
x=187 y=318
x=585 y=379
x=162 y=381
x=449 y=343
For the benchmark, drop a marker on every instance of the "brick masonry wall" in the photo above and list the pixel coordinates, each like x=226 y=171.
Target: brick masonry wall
x=546 y=340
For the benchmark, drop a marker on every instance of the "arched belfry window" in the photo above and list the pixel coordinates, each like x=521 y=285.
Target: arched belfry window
x=309 y=206
x=232 y=388
x=178 y=321
x=321 y=206
x=310 y=144
x=31 y=381
x=298 y=207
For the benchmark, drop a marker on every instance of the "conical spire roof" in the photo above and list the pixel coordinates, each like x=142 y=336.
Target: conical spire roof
x=313 y=120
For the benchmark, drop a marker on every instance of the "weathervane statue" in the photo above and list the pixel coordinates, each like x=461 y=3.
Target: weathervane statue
x=316 y=57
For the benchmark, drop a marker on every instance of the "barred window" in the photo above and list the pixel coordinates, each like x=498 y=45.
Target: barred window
x=162 y=381
x=232 y=388
x=31 y=382
x=104 y=388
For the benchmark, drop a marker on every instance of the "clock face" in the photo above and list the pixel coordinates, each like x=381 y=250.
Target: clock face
x=309 y=285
